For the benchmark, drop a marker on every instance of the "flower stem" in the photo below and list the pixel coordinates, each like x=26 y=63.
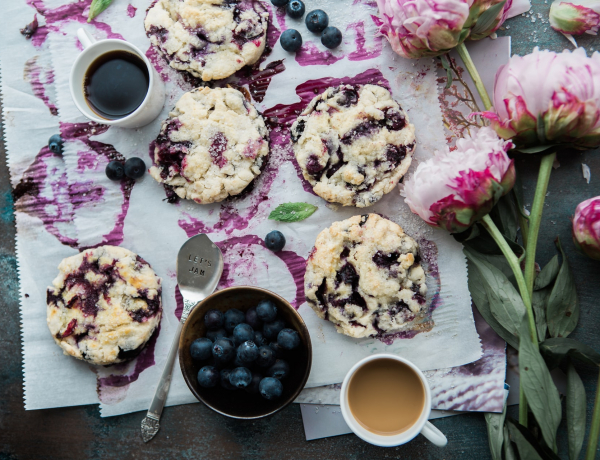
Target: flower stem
x=536 y=217
x=595 y=428
x=466 y=58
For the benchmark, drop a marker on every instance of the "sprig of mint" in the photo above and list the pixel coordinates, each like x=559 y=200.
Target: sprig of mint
x=97 y=7
x=292 y=212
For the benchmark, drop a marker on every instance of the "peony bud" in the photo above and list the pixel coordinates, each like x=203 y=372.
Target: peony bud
x=575 y=18
x=453 y=190
x=586 y=227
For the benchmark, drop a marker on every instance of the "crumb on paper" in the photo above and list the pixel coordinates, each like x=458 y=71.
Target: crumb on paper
x=587 y=174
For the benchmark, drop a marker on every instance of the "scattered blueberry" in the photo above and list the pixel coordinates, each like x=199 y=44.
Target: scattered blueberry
x=135 y=168
x=291 y=40
x=225 y=383
x=288 y=339
x=279 y=352
x=233 y=317
x=237 y=362
x=254 y=383
x=275 y=241
x=316 y=21
x=259 y=340
x=208 y=377
x=331 y=37
x=223 y=349
x=270 y=330
x=270 y=388
x=266 y=311
x=247 y=352
x=252 y=319
x=240 y=377
x=214 y=335
x=115 y=170
x=242 y=332
x=279 y=370
x=266 y=357
x=201 y=349
x=295 y=9
x=279 y=2
x=213 y=320
x=55 y=144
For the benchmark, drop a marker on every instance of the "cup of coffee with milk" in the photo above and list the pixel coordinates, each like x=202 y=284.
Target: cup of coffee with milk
x=386 y=401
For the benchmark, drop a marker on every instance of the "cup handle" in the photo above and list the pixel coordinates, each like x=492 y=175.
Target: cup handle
x=85 y=38
x=434 y=435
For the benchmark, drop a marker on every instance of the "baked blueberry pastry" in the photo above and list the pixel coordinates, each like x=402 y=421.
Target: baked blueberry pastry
x=212 y=146
x=364 y=275
x=209 y=39
x=353 y=144
x=104 y=305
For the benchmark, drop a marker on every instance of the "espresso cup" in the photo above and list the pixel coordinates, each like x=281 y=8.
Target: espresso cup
x=150 y=107
x=421 y=425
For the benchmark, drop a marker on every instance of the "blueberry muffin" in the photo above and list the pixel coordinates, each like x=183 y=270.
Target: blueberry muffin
x=104 y=305
x=212 y=146
x=209 y=39
x=364 y=275
x=353 y=144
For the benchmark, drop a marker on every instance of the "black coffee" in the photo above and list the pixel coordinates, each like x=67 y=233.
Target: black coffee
x=115 y=84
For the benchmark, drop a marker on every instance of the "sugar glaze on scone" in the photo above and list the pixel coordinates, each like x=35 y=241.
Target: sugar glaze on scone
x=364 y=275
x=353 y=144
x=212 y=146
x=104 y=305
x=211 y=39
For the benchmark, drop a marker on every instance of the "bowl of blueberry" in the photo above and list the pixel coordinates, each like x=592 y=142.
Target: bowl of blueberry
x=245 y=352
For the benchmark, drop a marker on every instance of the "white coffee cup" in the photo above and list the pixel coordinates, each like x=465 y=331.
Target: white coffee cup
x=420 y=426
x=150 y=107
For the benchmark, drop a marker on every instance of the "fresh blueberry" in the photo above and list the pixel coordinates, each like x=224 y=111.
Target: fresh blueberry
x=288 y=339
x=295 y=9
x=201 y=349
x=55 y=144
x=275 y=241
x=331 y=37
x=247 y=352
x=259 y=340
x=225 y=383
x=291 y=40
x=270 y=330
x=279 y=352
x=115 y=170
x=135 y=168
x=208 y=377
x=252 y=318
x=266 y=311
x=213 y=320
x=266 y=357
x=270 y=388
x=254 y=383
x=223 y=349
x=279 y=2
x=316 y=21
x=242 y=332
x=233 y=317
x=240 y=377
x=237 y=362
x=279 y=370
x=214 y=335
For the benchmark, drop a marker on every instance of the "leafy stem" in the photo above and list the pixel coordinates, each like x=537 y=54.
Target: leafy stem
x=595 y=428
x=466 y=58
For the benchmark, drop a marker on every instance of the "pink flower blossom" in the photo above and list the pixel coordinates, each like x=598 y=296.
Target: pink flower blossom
x=454 y=189
x=575 y=18
x=586 y=227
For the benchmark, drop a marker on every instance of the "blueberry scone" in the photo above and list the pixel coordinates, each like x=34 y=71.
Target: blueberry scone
x=353 y=144
x=211 y=39
x=104 y=305
x=364 y=275
x=212 y=146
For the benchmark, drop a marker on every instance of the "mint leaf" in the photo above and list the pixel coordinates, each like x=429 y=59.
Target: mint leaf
x=292 y=212
x=97 y=7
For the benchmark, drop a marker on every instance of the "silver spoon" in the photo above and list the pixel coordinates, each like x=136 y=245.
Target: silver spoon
x=199 y=268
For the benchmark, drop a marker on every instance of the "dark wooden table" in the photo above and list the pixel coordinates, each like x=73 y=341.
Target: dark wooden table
x=193 y=431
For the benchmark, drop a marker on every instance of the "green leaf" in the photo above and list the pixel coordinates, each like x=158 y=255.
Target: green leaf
x=509 y=453
x=517 y=191
x=504 y=215
x=540 y=391
x=495 y=429
x=292 y=212
x=547 y=275
x=526 y=450
x=446 y=66
x=555 y=350
x=537 y=149
x=528 y=442
x=539 y=300
x=488 y=18
x=562 y=312
x=575 y=412
x=97 y=7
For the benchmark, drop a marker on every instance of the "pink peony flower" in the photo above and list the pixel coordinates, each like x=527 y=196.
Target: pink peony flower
x=453 y=190
x=575 y=18
x=546 y=98
x=586 y=227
